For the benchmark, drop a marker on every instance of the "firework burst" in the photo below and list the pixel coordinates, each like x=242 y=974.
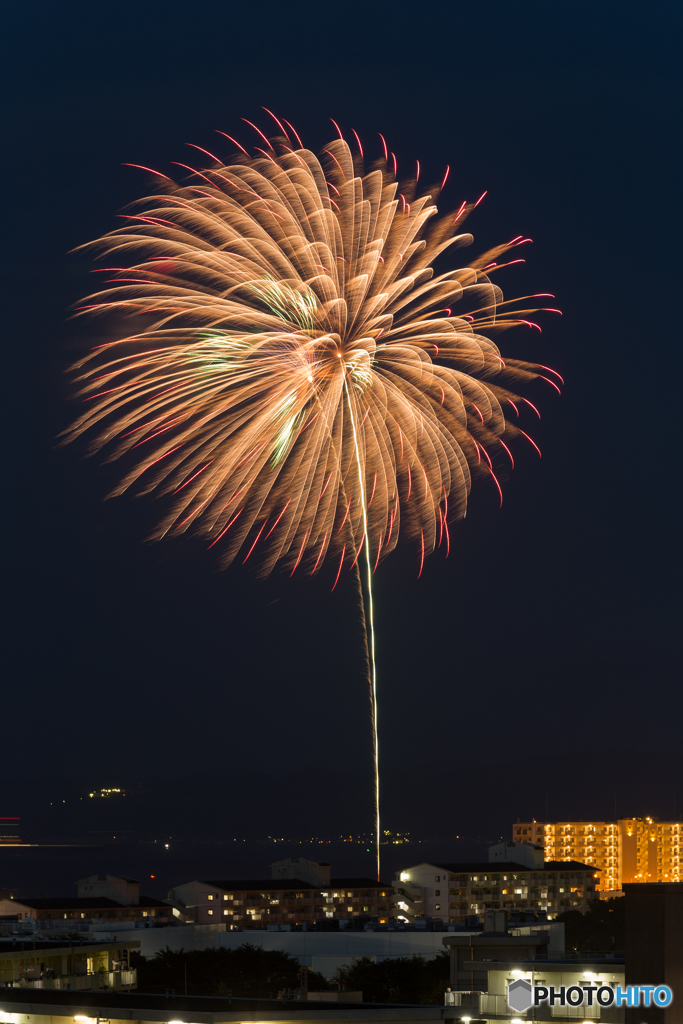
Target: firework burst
x=300 y=383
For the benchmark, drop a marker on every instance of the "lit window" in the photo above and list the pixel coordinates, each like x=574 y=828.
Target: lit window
x=210 y=912
x=225 y=912
x=437 y=906
x=210 y=896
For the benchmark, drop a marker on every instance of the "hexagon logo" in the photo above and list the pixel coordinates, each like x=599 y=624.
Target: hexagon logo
x=519 y=995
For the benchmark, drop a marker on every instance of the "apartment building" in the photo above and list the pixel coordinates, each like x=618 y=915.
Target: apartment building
x=514 y=878
x=100 y=898
x=623 y=850
x=299 y=892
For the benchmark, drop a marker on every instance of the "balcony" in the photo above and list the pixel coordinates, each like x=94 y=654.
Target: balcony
x=97 y=982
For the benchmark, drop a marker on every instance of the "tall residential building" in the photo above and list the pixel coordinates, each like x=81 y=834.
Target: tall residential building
x=625 y=850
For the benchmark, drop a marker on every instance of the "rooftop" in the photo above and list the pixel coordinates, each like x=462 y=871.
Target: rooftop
x=207 y=1009
x=280 y=884
x=10 y=946
x=496 y=866
x=83 y=903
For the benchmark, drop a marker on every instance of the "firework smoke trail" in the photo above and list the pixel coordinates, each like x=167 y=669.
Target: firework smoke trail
x=372 y=663
x=297 y=374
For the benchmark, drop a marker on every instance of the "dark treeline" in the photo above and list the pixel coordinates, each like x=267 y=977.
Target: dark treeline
x=600 y=928
x=245 y=971
x=405 y=979
x=254 y=972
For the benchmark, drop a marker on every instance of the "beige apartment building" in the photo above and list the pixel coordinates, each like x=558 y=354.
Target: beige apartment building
x=624 y=850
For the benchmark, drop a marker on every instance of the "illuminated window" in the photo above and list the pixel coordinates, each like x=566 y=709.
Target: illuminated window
x=225 y=913
x=437 y=906
x=210 y=913
x=210 y=896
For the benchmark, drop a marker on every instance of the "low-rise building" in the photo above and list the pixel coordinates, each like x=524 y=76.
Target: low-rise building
x=101 y=898
x=283 y=900
x=481 y=982
x=45 y=909
x=515 y=878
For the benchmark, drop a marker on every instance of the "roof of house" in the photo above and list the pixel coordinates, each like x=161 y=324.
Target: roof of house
x=104 y=878
x=83 y=903
x=509 y=865
x=247 y=884
x=275 y=884
x=359 y=883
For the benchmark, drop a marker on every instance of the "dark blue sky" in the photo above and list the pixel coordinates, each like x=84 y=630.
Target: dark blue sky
x=555 y=624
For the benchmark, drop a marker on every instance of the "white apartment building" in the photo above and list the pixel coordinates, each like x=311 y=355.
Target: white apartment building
x=514 y=878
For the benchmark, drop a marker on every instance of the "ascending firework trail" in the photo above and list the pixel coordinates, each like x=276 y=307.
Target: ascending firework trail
x=300 y=383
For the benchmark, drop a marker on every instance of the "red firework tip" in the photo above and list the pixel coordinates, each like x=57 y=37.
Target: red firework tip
x=551 y=371
x=532 y=442
x=150 y=169
x=232 y=140
x=277 y=119
x=417 y=172
x=259 y=131
x=360 y=147
x=294 y=132
x=193 y=170
x=479 y=200
x=338 y=128
x=341 y=562
x=548 y=381
x=203 y=151
x=495 y=480
x=256 y=541
x=225 y=529
x=445 y=177
x=386 y=152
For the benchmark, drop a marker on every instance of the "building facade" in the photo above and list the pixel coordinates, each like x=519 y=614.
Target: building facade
x=53 y=910
x=75 y=968
x=452 y=893
x=257 y=903
x=654 y=946
x=624 y=850
x=100 y=898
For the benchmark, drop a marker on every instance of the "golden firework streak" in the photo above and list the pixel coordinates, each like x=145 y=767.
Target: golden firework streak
x=372 y=663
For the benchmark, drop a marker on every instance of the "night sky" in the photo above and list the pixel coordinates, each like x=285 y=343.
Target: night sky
x=542 y=658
